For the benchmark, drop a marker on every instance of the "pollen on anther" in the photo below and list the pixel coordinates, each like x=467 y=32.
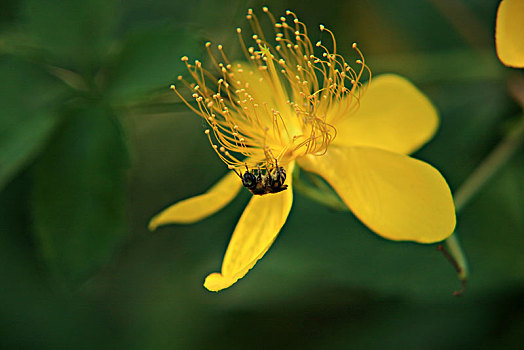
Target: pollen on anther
x=354 y=45
x=184 y=58
x=239 y=30
x=322 y=27
x=208 y=44
x=206 y=132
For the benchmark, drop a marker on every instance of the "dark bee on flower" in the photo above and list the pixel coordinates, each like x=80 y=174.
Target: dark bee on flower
x=259 y=183
x=276 y=178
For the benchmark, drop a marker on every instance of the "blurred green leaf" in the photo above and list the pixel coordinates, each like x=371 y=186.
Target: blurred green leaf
x=150 y=60
x=27 y=117
x=34 y=315
x=74 y=32
x=78 y=193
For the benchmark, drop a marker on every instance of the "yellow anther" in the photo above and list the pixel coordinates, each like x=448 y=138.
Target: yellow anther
x=231 y=101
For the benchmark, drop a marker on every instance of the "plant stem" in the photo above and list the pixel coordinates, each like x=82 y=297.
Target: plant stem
x=476 y=181
x=490 y=165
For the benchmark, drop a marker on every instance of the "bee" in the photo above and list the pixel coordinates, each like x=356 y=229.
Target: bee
x=259 y=183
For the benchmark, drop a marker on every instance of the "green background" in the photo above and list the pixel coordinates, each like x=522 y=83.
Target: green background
x=93 y=144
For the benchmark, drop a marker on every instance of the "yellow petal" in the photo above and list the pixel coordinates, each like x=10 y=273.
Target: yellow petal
x=394 y=115
x=256 y=230
x=199 y=207
x=509 y=33
x=253 y=82
x=268 y=92
x=396 y=196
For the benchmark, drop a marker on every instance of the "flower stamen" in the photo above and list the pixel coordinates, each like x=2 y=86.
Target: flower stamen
x=285 y=101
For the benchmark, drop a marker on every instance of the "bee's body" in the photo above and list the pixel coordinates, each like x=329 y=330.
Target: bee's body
x=270 y=182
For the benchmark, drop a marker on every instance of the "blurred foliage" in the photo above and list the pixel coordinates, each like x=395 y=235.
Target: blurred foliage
x=92 y=144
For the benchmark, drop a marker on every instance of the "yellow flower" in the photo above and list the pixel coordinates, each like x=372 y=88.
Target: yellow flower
x=509 y=33
x=292 y=108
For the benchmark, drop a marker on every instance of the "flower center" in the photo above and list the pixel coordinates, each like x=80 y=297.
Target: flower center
x=283 y=103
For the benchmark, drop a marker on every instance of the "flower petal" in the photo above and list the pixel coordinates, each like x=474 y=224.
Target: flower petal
x=509 y=33
x=268 y=92
x=199 y=207
x=393 y=115
x=396 y=196
x=256 y=230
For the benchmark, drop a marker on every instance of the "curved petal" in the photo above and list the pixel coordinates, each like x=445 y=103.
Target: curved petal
x=393 y=115
x=199 y=207
x=509 y=33
x=396 y=196
x=256 y=230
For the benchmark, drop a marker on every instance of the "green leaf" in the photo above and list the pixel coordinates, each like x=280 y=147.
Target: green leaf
x=74 y=32
x=27 y=117
x=150 y=60
x=78 y=194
